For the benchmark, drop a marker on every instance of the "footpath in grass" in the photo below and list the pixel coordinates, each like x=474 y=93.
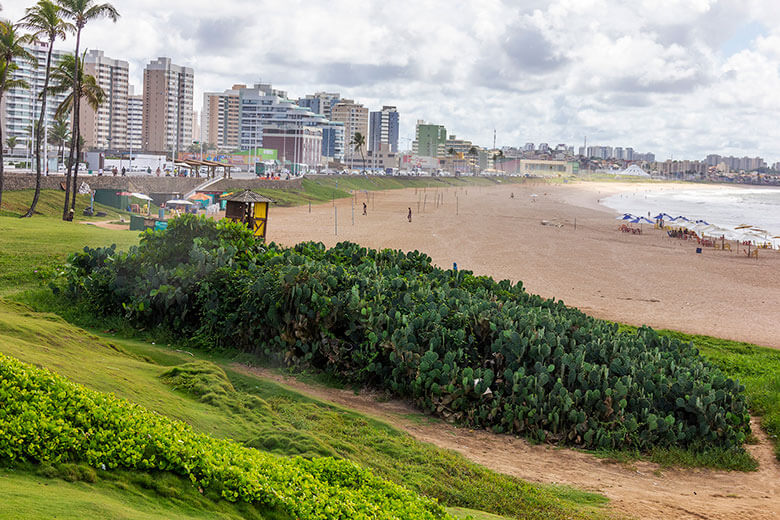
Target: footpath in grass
x=264 y=415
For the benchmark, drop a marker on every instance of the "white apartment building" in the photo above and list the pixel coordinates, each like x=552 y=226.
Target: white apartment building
x=21 y=107
x=135 y=118
x=106 y=127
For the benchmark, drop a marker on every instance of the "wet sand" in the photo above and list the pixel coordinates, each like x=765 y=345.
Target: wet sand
x=637 y=279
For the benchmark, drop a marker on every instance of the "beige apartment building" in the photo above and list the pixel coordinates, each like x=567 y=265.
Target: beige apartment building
x=106 y=127
x=355 y=119
x=221 y=118
x=167 y=106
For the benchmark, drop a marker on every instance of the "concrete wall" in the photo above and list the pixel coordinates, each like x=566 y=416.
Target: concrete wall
x=146 y=184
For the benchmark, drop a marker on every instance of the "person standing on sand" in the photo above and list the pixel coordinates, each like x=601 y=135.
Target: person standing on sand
x=364 y=209
x=410 y=215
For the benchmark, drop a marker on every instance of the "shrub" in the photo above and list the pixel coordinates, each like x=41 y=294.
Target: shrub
x=464 y=347
x=47 y=419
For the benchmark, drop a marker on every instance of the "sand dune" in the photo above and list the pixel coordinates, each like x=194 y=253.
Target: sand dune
x=637 y=279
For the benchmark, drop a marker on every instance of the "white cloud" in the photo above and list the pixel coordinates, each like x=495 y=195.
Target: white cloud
x=649 y=74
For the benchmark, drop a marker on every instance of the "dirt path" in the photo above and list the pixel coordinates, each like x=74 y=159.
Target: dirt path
x=642 y=490
x=108 y=225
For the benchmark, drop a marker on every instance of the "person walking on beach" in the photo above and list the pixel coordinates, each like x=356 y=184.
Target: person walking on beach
x=364 y=209
x=410 y=215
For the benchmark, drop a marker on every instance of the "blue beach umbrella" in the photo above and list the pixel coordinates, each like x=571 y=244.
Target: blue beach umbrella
x=645 y=220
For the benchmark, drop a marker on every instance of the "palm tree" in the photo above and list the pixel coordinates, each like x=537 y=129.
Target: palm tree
x=11 y=48
x=44 y=20
x=59 y=134
x=80 y=12
x=62 y=81
x=11 y=143
x=359 y=141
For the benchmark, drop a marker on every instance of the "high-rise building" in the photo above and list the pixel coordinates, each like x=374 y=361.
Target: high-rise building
x=106 y=127
x=135 y=119
x=355 y=119
x=22 y=106
x=220 y=121
x=429 y=140
x=384 y=129
x=529 y=147
x=266 y=112
x=167 y=119
x=320 y=102
x=333 y=140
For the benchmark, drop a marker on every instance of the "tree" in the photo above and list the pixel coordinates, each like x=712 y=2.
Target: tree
x=44 y=20
x=11 y=49
x=11 y=143
x=473 y=152
x=62 y=81
x=59 y=134
x=80 y=12
x=359 y=141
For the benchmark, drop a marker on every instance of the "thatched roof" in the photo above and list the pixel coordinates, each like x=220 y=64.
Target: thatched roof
x=247 y=196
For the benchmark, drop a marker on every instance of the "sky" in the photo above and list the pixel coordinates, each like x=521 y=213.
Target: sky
x=679 y=78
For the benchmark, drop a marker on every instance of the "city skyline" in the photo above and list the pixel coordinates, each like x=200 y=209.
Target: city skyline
x=683 y=79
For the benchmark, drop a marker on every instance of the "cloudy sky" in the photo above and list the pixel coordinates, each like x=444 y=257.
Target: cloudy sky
x=680 y=78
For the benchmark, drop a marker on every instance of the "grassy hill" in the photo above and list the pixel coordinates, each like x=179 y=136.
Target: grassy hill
x=224 y=403
x=204 y=392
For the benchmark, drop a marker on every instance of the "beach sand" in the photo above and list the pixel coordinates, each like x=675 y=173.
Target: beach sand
x=646 y=279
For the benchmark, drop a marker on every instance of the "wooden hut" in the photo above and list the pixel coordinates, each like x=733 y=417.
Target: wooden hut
x=250 y=208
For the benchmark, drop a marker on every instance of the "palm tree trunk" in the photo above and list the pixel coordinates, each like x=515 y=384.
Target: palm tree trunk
x=76 y=173
x=74 y=138
x=2 y=166
x=38 y=135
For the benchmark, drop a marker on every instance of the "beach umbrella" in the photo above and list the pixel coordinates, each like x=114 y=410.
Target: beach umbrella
x=627 y=216
x=702 y=222
x=645 y=220
x=744 y=226
x=140 y=196
x=178 y=201
x=680 y=217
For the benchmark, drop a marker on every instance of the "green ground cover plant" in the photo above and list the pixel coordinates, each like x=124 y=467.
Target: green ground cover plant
x=259 y=413
x=467 y=348
x=46 y=418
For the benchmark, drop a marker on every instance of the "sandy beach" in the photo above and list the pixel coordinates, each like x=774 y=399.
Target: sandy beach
x=646 y=279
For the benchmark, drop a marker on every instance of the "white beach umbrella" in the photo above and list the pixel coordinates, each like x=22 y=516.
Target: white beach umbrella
x=178 y=201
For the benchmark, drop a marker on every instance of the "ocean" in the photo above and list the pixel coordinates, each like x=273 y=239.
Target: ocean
x=726 y=208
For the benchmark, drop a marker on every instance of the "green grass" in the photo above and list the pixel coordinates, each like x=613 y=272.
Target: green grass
x=234 y=404
x=16 y=203
x=320 y=189
x=32 y=249
x=71 y=491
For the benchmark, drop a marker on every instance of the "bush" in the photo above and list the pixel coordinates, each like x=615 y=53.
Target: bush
x=464 y=347
x=47 y=419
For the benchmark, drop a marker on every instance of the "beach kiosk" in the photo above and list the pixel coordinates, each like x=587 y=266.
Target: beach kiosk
x=250 y=208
